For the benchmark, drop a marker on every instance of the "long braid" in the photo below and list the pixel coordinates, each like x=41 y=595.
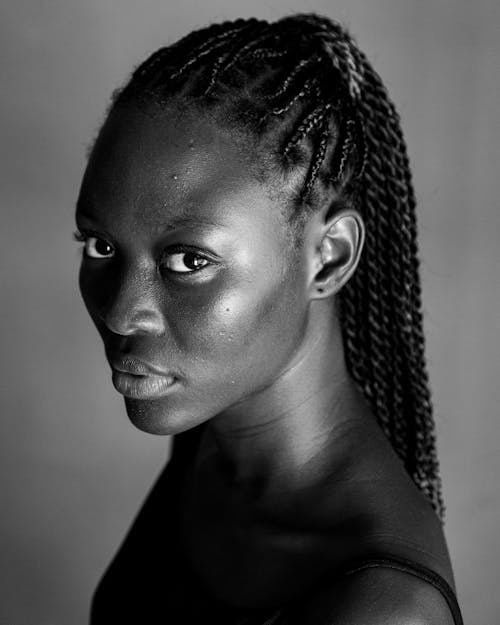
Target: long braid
x=303 y=82
x=392 y=205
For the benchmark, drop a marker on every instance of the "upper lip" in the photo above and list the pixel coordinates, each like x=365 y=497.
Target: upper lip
x=135 y=366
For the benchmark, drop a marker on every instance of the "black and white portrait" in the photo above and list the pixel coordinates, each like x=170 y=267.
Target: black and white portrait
x=250 y=298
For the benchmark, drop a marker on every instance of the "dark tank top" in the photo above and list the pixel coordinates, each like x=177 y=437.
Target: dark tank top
x=149 y=581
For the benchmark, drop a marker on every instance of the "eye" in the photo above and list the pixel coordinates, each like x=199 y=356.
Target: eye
x=184 y=261
x=95 y=247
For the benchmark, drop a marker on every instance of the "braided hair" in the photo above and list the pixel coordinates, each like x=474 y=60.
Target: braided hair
x=322 y=115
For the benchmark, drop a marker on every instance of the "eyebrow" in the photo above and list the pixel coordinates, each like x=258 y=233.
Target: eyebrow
x=190 y=221
x=183 y=221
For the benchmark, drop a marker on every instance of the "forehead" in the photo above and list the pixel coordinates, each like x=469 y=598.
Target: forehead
x=153 y=168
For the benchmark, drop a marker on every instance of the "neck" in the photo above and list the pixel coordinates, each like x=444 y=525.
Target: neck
x=289 y=434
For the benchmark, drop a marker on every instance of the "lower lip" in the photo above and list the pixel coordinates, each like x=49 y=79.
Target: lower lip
x=142 y=386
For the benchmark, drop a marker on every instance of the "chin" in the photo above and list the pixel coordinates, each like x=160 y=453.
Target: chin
x=155 y=416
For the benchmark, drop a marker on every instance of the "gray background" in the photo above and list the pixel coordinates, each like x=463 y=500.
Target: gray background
x=73 y=470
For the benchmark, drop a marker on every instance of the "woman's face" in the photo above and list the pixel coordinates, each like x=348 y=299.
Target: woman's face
x=187 y=270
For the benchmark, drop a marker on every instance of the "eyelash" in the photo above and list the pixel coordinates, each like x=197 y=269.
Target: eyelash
x=85 y=237
x=81 y=237
x=185 y=249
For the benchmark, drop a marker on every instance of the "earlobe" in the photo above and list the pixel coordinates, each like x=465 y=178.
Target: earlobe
x=340 y=250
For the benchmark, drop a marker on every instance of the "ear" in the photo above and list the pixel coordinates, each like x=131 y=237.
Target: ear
x=342 y=240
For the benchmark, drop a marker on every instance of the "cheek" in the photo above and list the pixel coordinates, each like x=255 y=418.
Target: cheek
x=248 y=327
x=94 y=287
x=87 y=290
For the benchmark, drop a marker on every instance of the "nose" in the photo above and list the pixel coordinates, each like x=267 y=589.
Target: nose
x=134 y=306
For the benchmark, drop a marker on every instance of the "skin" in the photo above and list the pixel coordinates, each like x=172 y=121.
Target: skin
x=255 y=347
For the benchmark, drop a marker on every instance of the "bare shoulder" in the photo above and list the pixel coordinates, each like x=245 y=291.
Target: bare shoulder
x=376 y=596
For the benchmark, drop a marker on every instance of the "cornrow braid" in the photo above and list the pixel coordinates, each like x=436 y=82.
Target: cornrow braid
x=347 y=146
x=233 y=54
x=302 y=83
x=304 y=90
x=318 y=157
x=292 y=76
x=311 y=121
x=202 y=38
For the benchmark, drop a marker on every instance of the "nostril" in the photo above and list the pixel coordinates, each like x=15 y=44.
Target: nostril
x=134 y=324
x=127 y=320
x=119 y=328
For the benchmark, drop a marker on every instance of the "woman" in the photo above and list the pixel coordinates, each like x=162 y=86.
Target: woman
x=250 y=263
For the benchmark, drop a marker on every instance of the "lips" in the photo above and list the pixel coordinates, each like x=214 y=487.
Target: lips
x=137 y=379
x=134 y=366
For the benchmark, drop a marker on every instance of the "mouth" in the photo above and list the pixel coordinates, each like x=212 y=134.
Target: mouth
x=142 y=386
x=136 y=379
